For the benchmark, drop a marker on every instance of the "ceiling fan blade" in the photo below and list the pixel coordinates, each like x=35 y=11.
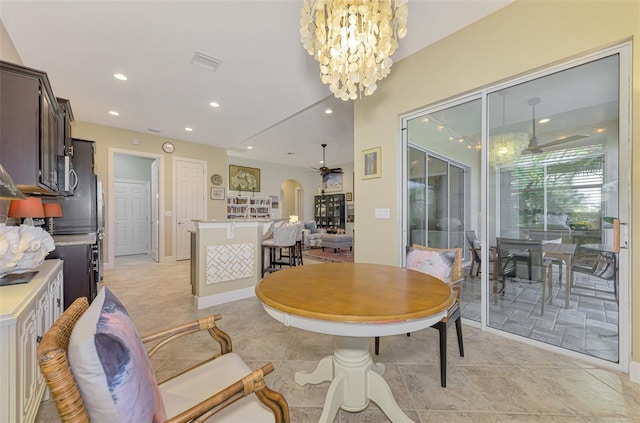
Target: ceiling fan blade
x=564 y=140
x=336 y=170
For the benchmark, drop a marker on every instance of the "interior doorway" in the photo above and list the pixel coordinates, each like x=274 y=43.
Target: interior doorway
x=189 y=187
x=292 y=199
x=138 y=168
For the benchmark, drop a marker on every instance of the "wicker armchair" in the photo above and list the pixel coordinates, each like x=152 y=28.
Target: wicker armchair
x=453 y=313
x=54 y=363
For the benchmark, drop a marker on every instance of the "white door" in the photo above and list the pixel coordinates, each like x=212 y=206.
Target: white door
x=190 y=186
x=155 y=197
x=132 y=218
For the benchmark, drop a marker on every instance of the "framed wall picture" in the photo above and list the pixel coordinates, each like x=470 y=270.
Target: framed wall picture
x=243 y=178
x=216 y=193
x=372 y=163
x=332 y=182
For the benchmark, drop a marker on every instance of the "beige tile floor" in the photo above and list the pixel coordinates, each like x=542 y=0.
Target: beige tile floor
x=498 y=380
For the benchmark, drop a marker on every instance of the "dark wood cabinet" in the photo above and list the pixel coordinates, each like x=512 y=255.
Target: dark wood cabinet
x=65 y=147
x=29 y=132
x=329 y=211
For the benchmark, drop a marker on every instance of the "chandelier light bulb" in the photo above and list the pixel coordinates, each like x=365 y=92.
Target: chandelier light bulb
x=353 y=41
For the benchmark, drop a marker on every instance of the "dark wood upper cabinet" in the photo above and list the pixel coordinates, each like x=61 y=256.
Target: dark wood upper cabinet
x=29 y=128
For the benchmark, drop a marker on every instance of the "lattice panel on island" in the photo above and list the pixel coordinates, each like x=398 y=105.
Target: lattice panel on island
x=229 y=262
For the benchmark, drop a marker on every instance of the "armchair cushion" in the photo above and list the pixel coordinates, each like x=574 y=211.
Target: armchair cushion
x=111 y=366
x=311 y=225
x=187 y=390
x=435 y=263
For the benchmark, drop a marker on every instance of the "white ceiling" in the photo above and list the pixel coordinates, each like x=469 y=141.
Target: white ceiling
x=268 y=87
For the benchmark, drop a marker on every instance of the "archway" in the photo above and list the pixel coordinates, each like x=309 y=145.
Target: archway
x=292 y=199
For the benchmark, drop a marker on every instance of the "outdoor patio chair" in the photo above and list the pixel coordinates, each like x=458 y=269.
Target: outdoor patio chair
x=601 y=265
x=512 y=251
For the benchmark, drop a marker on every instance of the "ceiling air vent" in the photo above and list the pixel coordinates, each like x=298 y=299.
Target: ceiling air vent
x=155 y=131
x=206 y=61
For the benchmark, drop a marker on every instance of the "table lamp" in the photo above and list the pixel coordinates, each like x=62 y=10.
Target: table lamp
x=293 y=219
x=52 y=210
x=26 y=209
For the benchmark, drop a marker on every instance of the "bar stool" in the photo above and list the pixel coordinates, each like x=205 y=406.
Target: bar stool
x=284 y=237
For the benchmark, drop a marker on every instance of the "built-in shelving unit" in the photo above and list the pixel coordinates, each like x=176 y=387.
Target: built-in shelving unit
x=239 y=207
x=330 y=211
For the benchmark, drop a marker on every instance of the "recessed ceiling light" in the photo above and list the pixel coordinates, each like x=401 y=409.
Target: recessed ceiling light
x=120 y=76
x=440 y=127
x=328 y=111
x=545 y=120
x=600 y=130
x=214 y=104
x=249 y=148
x=426 y=119
x=460 y=140
x=114 y=113
x=291 y=153
x=188 y=129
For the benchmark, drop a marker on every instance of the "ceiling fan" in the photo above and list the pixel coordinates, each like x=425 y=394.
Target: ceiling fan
x=324 y=170
x=534 y=146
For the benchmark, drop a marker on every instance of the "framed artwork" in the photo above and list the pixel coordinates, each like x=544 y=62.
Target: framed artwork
x=274 y=201
x=372 y=163
x=216 y=193
x=243 y=178
x=332 y=182
x=349 y=196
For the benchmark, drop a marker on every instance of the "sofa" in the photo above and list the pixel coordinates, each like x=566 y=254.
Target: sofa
x=312 y=235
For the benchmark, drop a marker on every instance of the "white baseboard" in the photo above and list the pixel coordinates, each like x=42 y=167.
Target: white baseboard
x=223 y=298
x=634 y=371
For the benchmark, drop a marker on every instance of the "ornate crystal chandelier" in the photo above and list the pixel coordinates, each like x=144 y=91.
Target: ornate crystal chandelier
x=353 y=41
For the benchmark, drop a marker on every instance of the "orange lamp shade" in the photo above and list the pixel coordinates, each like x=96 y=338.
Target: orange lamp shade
x=52 y=209
x=29 y=207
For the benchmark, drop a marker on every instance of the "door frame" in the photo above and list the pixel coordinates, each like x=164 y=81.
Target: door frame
x=110 y=189
x=174 y=205
x=624 y=50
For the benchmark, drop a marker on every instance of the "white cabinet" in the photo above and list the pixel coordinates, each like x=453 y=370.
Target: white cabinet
x=26 y=312
x=248 y=207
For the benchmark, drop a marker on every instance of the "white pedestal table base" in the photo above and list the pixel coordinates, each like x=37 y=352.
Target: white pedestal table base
x=355 y=380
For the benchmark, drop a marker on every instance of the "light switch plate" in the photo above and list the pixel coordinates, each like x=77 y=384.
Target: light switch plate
x=383 y=213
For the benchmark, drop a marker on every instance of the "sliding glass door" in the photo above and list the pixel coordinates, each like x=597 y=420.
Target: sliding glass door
x=553 y=178
x=443 y=179
x=527 y=175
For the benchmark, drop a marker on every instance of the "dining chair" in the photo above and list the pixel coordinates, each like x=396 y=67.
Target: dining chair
x=512 y=251
x=99 y=368
x=445 y=264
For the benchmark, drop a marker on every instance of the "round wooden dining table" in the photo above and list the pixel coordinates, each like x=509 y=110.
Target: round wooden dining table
x=354 y=302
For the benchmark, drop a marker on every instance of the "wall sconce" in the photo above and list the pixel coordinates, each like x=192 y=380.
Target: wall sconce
x=26 y=209
x=52 y=210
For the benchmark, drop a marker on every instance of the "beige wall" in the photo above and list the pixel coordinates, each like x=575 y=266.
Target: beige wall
x=517 y=39
x=107 y=137
x=8 y=51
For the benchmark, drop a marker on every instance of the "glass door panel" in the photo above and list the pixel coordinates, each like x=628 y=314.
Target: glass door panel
x=443 y=185
x=552 y=178
x=437 y=203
